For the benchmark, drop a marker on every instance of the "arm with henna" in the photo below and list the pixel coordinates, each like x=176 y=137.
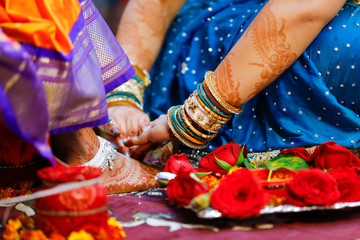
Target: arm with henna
x=143 y=27
x=281 y=31
x=278 y=35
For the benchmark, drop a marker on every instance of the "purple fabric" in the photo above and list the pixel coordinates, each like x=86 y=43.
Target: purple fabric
x=115 y=66
x=336 y=224
x=57 y=93
x=22 y=96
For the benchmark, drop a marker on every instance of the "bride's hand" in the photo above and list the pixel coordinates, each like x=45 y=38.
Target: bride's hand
x=158 y=131
x=127 y=122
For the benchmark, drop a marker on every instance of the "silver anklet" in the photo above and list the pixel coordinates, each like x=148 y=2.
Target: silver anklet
x=104 y=157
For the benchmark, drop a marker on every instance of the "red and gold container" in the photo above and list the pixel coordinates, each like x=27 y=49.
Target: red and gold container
x=84 y=208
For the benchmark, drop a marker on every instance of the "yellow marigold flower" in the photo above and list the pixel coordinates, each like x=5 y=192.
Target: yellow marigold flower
x=112 y=222
x=14 y=225
x=11 y=230
x=81 y=235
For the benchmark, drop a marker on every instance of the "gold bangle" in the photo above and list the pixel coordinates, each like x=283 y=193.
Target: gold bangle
x=122 y=102
x=132 y=87
x=217 y=96
x=186 y=135
x=200 y=117
x=204 y=92
x=192 y=128
x=177 y=135
x=142 y=74
x=209 y=111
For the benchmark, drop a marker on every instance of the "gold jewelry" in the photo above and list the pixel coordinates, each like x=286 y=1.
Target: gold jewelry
x=209 y=111
x=142 y=74
x=130 y=87
x=123 y=101
x=131 y=92
x=355 y=1
x=183 y=140
x=201 y=117
x=192 y=128
x=210 y=102
x=217 y=96
x=193 y=139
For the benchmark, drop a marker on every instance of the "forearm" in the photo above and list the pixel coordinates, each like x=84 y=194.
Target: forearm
x=143 y=27
x=278 y=35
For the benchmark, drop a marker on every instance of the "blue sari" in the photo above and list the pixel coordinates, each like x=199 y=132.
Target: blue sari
x=316 y=100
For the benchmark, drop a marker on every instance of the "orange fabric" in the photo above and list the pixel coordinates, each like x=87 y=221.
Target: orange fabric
x=43 y=23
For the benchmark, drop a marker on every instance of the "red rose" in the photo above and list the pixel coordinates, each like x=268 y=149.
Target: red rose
x=330 y=155
x=228 y=153
x=348 y=183
x=182 y=189
x=312 y=187
x=297 y=152
x=178 y=161
x=239 y=195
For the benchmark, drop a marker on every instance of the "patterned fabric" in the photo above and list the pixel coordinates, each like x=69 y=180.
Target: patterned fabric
x=47 y=91
x=314 y=101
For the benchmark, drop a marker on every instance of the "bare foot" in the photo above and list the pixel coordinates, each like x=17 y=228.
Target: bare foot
x=127 y=175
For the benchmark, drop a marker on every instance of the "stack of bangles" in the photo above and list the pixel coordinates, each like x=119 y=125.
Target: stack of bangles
x=203 y=114
x=131 y=92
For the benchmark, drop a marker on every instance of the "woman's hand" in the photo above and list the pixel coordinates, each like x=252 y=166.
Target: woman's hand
x=127 y=122
x=158 y=131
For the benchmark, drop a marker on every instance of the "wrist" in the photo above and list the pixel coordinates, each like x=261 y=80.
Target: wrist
x=131 y=92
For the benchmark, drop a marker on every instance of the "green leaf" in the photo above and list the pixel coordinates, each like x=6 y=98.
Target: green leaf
x=193 y=176
x=247 y=164
x=224 y=165
x=240 y=158
x=201 y=174
x=286 y=161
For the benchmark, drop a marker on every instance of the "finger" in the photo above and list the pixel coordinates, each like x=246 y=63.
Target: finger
x=141 y=140
x=122 y=129
x=111 y=127
x=122 y=149
x=139 y=152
